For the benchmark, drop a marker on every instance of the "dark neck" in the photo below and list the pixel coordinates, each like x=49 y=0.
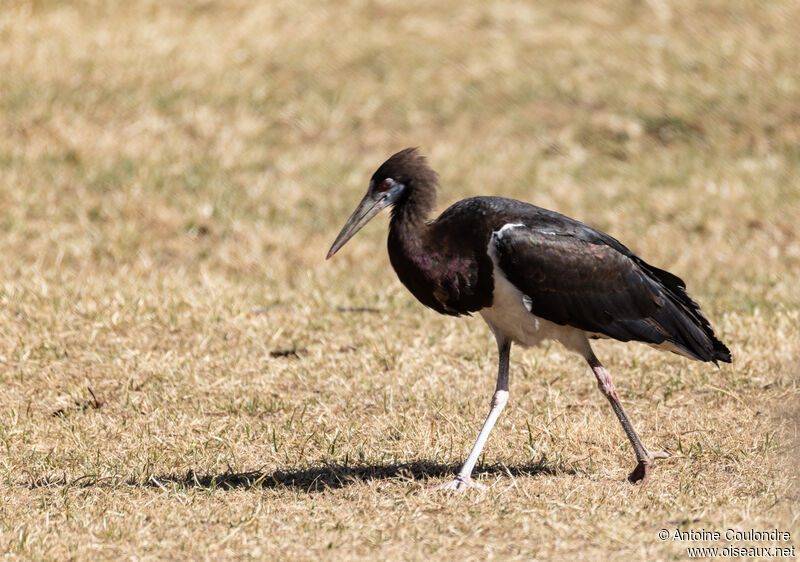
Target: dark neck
x=410 y=214
x=409 y=245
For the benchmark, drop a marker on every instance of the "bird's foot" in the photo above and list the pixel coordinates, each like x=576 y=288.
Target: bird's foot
x=641 y=473
x=460 y=484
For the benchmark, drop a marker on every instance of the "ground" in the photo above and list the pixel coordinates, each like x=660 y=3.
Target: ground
x=172 y=175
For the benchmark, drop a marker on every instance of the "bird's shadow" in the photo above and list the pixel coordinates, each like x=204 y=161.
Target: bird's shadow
x=335 y=476
x=331 y=476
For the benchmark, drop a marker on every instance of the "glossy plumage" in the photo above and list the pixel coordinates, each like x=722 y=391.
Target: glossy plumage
x=533 y=274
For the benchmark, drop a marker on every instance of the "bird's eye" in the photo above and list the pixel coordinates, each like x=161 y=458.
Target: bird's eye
x=387 y=184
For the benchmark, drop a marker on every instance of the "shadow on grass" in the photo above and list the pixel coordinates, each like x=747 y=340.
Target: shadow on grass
x=335 y=476
x=315 y=479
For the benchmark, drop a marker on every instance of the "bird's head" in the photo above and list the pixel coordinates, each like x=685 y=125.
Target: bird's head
x=390 y=184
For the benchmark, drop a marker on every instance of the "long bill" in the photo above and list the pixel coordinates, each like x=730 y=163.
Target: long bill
x=368 y=208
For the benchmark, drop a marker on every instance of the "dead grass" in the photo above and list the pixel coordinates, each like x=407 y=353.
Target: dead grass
x=171 y=177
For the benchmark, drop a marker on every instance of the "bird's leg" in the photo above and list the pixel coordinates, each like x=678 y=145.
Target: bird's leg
x=464 y=478
x=643 y=456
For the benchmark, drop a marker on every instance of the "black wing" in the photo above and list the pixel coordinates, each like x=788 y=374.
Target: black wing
x=597 y=285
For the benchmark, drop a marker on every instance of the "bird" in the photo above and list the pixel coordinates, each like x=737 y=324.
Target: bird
x=533 y=275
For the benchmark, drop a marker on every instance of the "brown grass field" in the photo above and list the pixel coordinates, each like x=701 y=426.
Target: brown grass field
x=172 y=175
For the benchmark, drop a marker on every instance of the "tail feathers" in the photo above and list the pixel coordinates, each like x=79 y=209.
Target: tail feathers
x=721 y=351
x=690 y=331
x=687 y=328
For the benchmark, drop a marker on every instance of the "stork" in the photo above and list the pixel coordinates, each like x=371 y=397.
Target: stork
x=533 y=275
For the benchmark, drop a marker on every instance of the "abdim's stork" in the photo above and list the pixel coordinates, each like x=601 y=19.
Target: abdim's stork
x=533 y=274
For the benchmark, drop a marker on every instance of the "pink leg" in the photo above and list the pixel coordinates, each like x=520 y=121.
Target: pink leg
x=644 y=458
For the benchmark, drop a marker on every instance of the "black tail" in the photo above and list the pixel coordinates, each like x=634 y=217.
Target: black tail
x=682 y=319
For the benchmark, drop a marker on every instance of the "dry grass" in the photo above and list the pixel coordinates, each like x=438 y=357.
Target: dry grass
x=172 y=174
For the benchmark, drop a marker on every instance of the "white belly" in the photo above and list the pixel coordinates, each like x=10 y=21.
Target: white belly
x=509 y=316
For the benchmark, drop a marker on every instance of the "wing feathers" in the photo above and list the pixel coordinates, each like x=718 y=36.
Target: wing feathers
x=599 y=288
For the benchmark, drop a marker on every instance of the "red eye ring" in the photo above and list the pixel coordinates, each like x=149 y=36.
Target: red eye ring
x=387 y=184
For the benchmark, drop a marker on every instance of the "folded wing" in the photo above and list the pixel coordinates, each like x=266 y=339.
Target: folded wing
x=604 y=289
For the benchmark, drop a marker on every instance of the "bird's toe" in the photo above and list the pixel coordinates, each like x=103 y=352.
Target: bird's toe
x=641 y=473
